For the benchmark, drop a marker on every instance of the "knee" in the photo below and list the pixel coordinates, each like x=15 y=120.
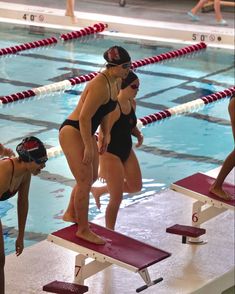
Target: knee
x=115 y=202
x=135 y=187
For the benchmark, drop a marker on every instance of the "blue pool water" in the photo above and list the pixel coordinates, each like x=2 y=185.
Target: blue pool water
x=172 y=149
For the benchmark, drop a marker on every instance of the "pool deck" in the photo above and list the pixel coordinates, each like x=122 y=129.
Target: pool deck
x=198 y=269
x=144 y=20
x=201 y=269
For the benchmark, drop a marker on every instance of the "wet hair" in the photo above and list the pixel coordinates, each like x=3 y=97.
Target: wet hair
x=32 y=149
x=116 y=55
x=131 y=77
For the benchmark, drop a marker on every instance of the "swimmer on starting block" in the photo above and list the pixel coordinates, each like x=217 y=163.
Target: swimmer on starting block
x=15 y=177
x=119 y=166
x=229 y=162
x=78 y=141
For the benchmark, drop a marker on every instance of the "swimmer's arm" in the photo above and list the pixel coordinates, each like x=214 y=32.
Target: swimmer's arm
x=22 y=212
x=135 y=131
x=138 y=134
x=6 y=151
x=105 y=128
x=109 y=120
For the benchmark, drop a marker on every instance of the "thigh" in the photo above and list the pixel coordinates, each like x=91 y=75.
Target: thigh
x=73 y=148
x=132 y=170
x=113 y=173
x=95 y=163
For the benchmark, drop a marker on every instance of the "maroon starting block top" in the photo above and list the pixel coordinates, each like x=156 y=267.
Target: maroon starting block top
x=64 y=288
x=200 y=183
x=117 y=246
x=188 y=231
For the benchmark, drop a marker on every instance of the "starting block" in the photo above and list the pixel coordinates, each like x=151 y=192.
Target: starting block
x=119 y=249
x=64 y=288
x=207 y=205
x=186 y=231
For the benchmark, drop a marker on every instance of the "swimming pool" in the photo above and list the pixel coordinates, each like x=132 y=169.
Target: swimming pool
x=173 y=148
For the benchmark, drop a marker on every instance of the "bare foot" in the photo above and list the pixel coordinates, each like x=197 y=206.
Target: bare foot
x=73 y=18
x=90 y=237
x=221 y=193
x=96 y=192
x=69 y=218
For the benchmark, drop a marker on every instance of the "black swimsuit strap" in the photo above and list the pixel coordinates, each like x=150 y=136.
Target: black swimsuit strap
x=13 y=169
x=108 y=83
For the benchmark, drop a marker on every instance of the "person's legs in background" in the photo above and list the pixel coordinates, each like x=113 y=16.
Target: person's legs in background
x=70 y=10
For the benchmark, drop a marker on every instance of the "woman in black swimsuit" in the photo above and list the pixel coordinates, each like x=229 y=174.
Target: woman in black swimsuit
x=119 y=165
x=77 y=139
x=15 y=176
x=229 y=162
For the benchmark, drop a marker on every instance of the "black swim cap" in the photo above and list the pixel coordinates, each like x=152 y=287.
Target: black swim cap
x=32 y=149
x=117 y=55
x=131 y=77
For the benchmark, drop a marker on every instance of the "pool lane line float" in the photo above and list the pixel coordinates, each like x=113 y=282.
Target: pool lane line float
x=96 y=28
x=184 y=108
x=85 y=78
x=28 y=46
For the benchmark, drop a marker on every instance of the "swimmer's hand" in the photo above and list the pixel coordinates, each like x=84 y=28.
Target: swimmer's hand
x=103 y=144
x=140 y=139
x=87 y=156
x=137 y=133
x=19 y=246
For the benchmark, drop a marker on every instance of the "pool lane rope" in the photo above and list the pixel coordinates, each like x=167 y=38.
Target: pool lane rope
x=188 y=107
x=68 y=84
x=96 y=28
x=28 y=46
x=184 y=108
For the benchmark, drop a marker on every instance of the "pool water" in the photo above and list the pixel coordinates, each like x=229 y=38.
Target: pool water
x=172 y=149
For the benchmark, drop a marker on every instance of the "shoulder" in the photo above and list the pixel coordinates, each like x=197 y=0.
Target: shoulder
x=5 y=174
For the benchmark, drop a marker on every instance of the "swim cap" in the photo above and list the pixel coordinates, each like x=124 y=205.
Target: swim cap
x=131 y=77
x=32 y=149
x=117 y=55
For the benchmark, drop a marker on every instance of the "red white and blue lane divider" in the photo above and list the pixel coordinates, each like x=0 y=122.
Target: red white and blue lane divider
x=68 y=84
